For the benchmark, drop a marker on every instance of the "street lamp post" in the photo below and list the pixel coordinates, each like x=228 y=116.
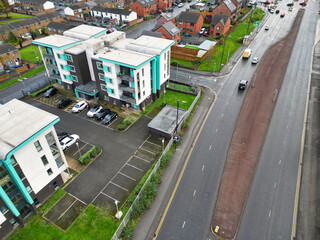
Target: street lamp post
x=119 y=213
x=224 y=44
x=176 y=131
x=78 y=148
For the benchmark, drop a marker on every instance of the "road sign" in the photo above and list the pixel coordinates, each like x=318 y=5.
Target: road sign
x=256 y=24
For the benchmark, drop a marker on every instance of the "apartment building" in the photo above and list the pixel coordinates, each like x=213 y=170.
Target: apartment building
x=32 y=164
x=94 y=64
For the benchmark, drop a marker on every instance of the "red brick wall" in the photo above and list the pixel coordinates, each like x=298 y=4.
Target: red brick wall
x=167 y=35
x=221 y=9
x=163 y=21
x=223 y=30
x=186 y=27
x=141 y=11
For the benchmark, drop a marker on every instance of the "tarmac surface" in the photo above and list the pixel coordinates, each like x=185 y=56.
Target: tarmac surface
x=249 y=135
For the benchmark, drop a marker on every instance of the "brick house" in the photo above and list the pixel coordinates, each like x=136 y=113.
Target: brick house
x=77 y=12
x=220 y=24
x=170 y=31
x=22 y=28
x=9 y=56
x=166 y=17
x=109 y=3
x=58 y=27
x=117 y=15
x=34 y=7
x=190 y=22
x=238 y=4
x=143 y=8
x=227 y=8
x=164 y=4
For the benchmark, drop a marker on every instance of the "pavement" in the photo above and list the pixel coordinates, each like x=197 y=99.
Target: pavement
x=249 y=134
x=148 y=223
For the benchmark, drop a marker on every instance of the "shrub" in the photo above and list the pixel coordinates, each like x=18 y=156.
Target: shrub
x=92 y=153
x=121 y=127
x=97 y=149
x=85 y=158
x=126 y=233
x=240 y=40
x=127 y=121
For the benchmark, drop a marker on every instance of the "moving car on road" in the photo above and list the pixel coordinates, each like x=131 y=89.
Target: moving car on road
x=79 y=106
x=303 y=4
x=62 y=103
x=243 y=84
x=94 y=110
x=282 y=15
x=51 y=92
x=68 y=141
x=255 y=60
x=267 y=27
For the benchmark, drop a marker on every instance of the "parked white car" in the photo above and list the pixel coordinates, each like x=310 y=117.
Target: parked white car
x=94 y=110
x=68 y=141
x=180 y=5
x=79 y=106
x=202 y=31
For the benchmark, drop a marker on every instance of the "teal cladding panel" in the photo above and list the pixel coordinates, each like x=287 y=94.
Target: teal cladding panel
x=154 y=90
x=107 y=80
x=8 y=202
x=158 y=73
x=135 y=106
x=132 y=72
x=132 y=84
x=134 y=95
x=76 y=92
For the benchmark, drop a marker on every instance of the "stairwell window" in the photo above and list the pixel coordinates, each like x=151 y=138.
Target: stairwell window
x=38 y=146
x=99 y=65
x=69 y=58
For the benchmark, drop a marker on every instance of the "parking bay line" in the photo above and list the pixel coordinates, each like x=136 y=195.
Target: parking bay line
x=67 y=209
x=77 y=199
x=141 y=158
x=154 y=144
x=79 y=150
x=119 y=186
x=127 y=176
x=148 y=151
x=109 y=197
x=135 y=167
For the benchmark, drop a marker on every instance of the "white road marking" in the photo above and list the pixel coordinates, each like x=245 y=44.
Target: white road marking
x=148 y=151
x=119 y=186
x=141 y=158
x=202 y=168
x=67 y=209
x=184 y=222
x=194 y=192
x=216 y=130
x=210 y=147
x=275 y=185
x=227 y=103
x=231 y=93
x=134 y=167
x=222 y=115
x=287 y=126
x=284 y=142
x=270 y=213
x=280 y=162
x=127 y=176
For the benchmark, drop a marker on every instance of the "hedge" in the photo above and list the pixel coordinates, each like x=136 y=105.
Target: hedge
x=92 y=153
x=125 y=123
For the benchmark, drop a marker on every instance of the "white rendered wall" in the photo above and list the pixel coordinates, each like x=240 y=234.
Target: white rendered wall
x=29 y=160
x=48 y=5
x=147 y=82
x=2 y=218
x=68 y=11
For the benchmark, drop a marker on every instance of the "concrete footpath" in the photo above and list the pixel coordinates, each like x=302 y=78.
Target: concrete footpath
x=147 y=225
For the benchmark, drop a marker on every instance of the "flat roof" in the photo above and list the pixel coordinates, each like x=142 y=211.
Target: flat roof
x=84 y=32
x=57 y=41
x=166 y=120
x=19 y=121
x=125 y=57
x=75 y=50
x=157 y=44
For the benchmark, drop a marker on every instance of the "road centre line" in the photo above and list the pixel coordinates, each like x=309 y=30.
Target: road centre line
x=280 y=162
x=269 y=213
x=222 y=115
x=67 y=209
x=148 y=151
x=194 y=192
x=128 y=176
x=184 y=223
x=275 y=185
x=141 y=158
x=202 y=168
x=216 y=130
x=210 y=147
x=135 y=167
x=119 y=186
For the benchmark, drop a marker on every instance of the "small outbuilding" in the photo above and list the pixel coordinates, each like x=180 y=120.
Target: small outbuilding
x=165 y=123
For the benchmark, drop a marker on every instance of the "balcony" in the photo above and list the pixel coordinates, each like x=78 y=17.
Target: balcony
x=52 y=67
x=128 y=99
x=55 y=76
x=126 y=88
x=48 y=56
x=125 y=77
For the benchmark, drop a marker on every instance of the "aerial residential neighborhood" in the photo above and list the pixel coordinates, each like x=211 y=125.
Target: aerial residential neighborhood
x=159 y=119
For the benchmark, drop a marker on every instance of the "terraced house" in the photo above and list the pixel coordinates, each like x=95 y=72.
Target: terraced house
x=125 y=72
x=32 y=164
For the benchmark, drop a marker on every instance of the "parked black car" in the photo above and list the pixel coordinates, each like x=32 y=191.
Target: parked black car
x=100 y=115
x=109 y=117
x=62 y=103
x=51 y=92
x=62 y=135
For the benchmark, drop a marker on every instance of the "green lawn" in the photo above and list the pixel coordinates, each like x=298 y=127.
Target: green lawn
x=191 y=47
x=13 y=17
x=8 y=83
x=212 y=62
x=33 y=72
x=182 y=62
x=30 y=53
x=180 y=87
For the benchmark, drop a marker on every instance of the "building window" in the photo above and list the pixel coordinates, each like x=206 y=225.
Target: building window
x=13 y=222
x=49 y=171
x=101 y=76
x=72 y=68
x=142 y=72
x=38 y=146
x=99 y=65
x=13 y=160
x=143 y=83
x=44 y=160
x=21 y=175
x=69 y=58
x=36 y=201
x=165 y=55
x=180 y=22
x=104 y=87
x=110 y=90
x=218 y=28
x=29 y=189
x=138 y=76
x=74 y=78
x=55 y=185
x=3 y=209
x=106 y=98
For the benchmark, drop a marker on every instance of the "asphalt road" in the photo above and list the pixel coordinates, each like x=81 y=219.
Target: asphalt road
x=190 y=214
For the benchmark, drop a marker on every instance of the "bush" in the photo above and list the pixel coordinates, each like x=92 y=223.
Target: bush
x=127 y=121
x=121 y=127
x=126 y=233
x=240 y=40
x=92 y=153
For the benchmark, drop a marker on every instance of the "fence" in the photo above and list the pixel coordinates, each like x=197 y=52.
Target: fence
x=26 y=90
x=126 y=218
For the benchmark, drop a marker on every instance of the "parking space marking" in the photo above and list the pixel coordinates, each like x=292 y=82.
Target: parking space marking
x=135 y=167
x=80 y=148
x=142 y=159
x=154 y=143
x=127 y=176
x=109 y=196
x=119 y=186
x=148 y=151
x=78 y=199
x=67 y=209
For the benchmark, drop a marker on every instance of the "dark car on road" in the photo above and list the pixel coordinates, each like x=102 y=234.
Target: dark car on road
x=290 y=4
x=62 y=103
x=100 y=115
x=51 y=92
x=277 y=11
x=109 y=117
x=303 y=4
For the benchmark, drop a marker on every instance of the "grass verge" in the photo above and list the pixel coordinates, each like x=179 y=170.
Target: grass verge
x=30 y=53
x=8 y=83
x=33 y=72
